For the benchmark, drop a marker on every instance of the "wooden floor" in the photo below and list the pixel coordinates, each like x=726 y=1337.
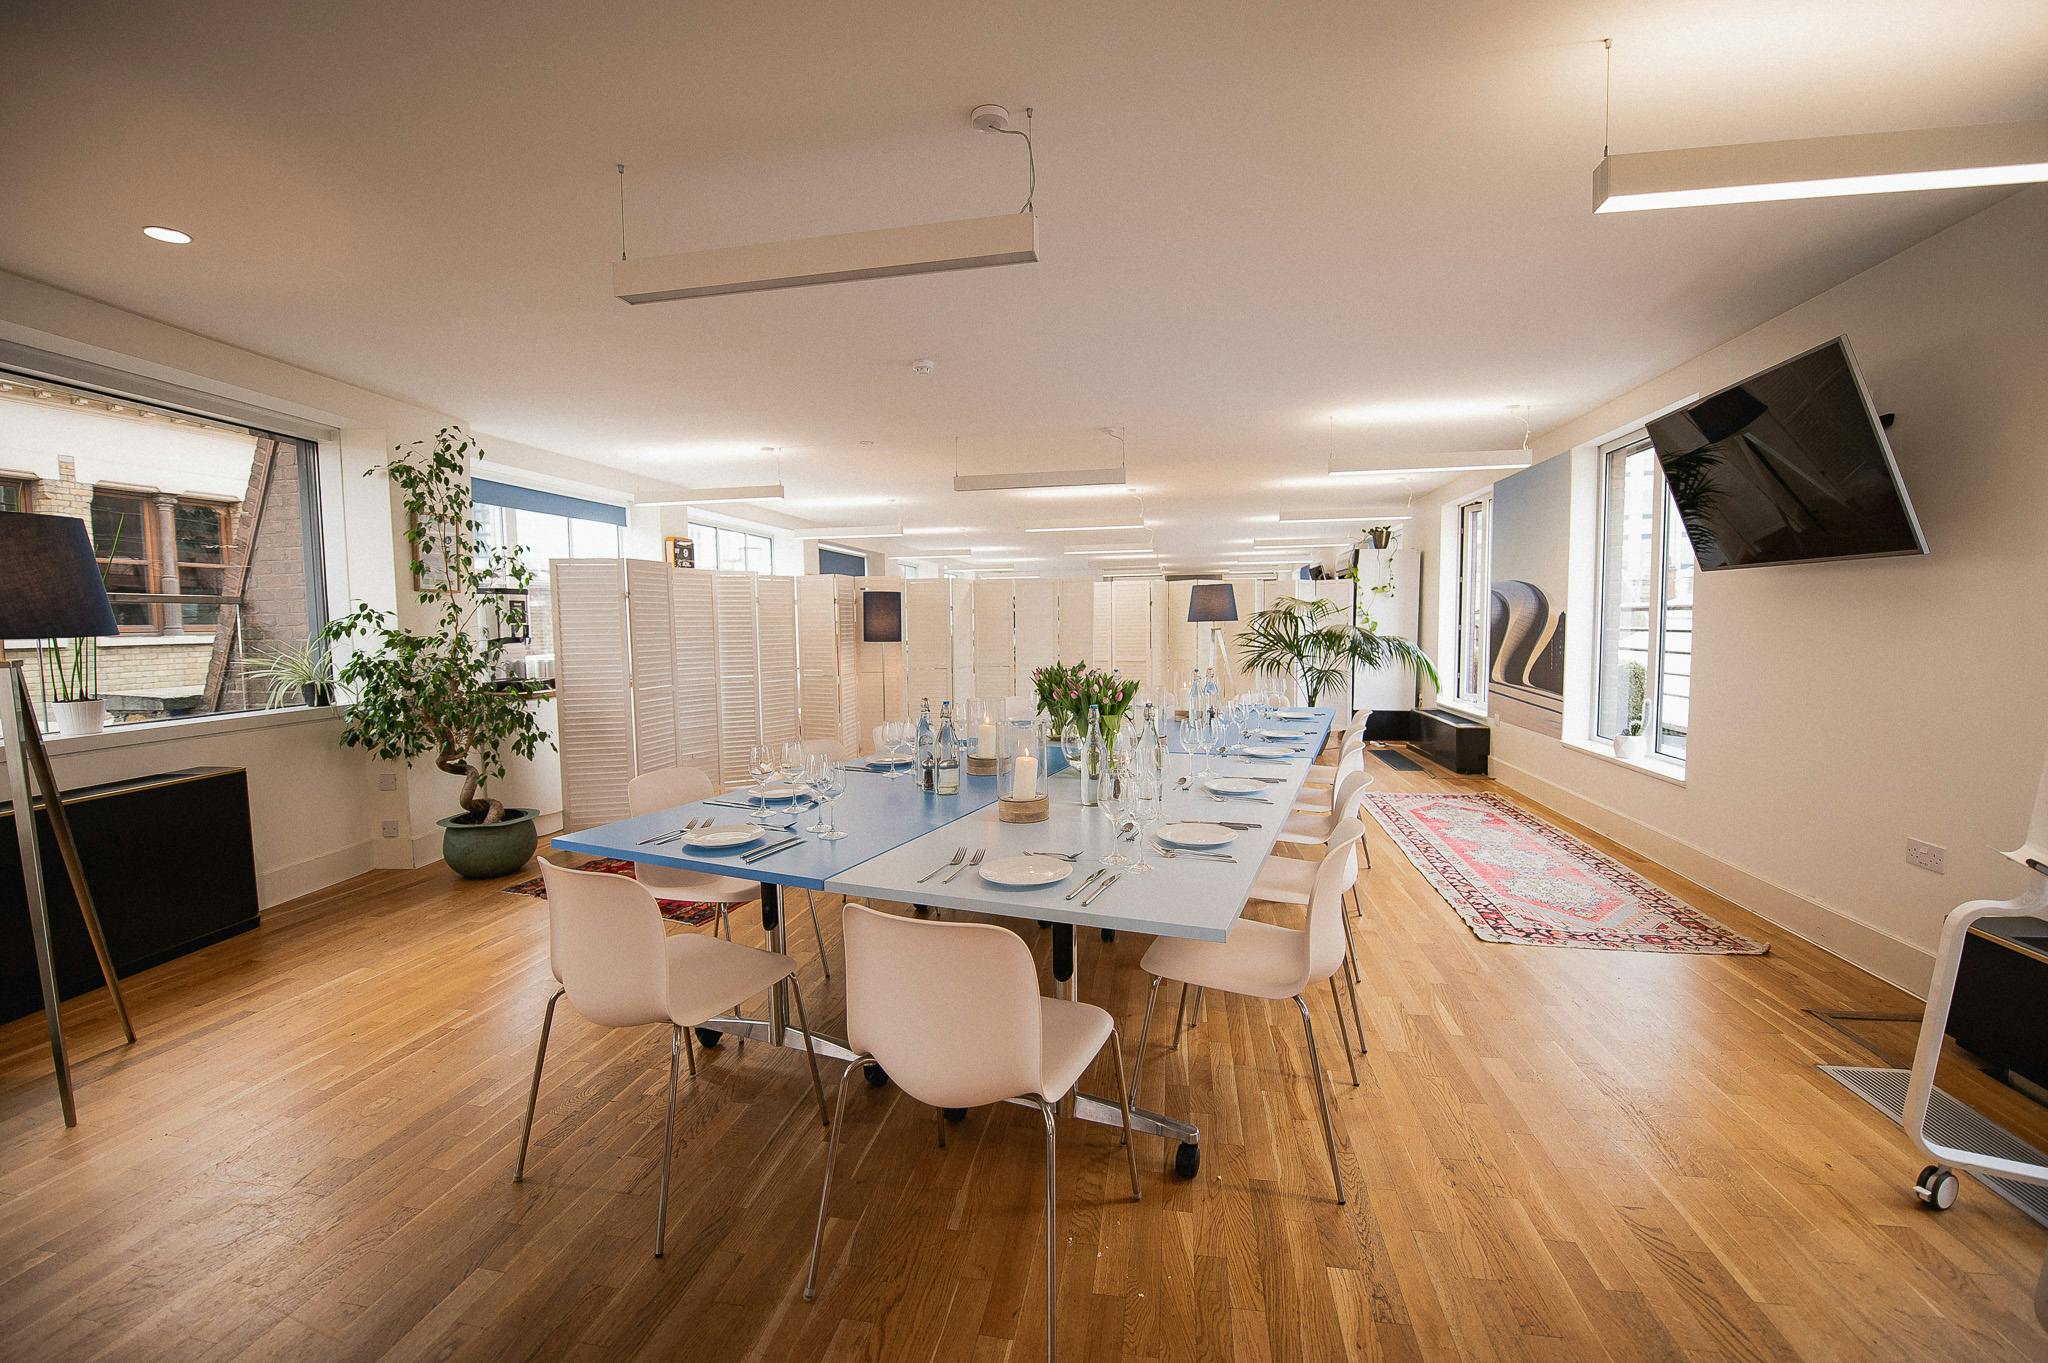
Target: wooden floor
x=1553 y=1155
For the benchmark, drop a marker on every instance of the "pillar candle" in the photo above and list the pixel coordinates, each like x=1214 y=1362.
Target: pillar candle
x=1024 y=783
x=984 y=740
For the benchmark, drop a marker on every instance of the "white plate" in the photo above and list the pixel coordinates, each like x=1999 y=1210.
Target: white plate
x=1294 y=714
x=883 y=759
x=1278 y=733
x=722 y=835
x=1266 y=752
x=777 y=790
x=1026 y=872
x=1197 y=835
x=1235 y=785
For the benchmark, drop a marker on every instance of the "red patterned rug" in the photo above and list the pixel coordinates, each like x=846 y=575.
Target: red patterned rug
x=678 y=910
x=1514 y=878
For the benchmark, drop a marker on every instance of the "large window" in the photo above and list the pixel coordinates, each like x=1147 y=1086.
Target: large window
x=540 y=526
x=1646 y=581
x=207 y=535
x=1475 y=595
x=732 y=551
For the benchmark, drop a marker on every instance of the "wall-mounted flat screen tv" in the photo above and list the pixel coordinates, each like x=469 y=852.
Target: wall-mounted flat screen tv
x=1789 y=466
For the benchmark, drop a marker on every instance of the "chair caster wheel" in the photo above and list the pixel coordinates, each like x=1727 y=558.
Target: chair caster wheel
x=709 y=1037
x=955 y=1115
x=876 y=1076
x=1937 y=1187
x=1187 y=1160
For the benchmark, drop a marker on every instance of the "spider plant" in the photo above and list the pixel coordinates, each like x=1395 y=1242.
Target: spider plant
x=295 y=676
x=1296 y=640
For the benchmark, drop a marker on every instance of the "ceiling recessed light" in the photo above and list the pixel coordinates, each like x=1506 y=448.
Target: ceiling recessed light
x=169 y=234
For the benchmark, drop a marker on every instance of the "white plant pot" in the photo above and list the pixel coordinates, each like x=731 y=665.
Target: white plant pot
x=73 y=718
x=1631 y=746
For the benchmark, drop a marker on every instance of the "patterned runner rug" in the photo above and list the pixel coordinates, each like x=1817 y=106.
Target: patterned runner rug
x=680 y=911
x=1514 y=878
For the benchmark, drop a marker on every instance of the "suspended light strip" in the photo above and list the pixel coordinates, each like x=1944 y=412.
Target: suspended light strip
x=1310 y=517
x=1474 y=462
x=854 y=532
x=928 y=248
x=757 y=492
x=1100 y=526
x=1008 y=482
x=1824 y=167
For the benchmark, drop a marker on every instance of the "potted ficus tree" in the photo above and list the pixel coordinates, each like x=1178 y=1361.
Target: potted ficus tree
x=1296 y=640
x=437 y=691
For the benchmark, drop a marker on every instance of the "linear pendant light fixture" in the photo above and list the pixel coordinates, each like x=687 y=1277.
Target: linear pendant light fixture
x=1475 y=461
x=753 y=492
x=1008 y=482
x=1824 y=167
x=1314 y=517
x=928 y=248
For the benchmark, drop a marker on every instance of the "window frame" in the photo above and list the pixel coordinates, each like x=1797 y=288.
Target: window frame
x=24 y=490
x=1663 y=512
x=224 y=514
x=147 y=559
x=1472 y=609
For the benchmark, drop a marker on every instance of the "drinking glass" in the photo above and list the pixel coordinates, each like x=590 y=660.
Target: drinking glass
x=1199 y=733
x=1114 y=800
x=810 y=782
x=828 y=778
x=1147 y=809
x=902 y=743
x=761 y=767
x=1073 y=743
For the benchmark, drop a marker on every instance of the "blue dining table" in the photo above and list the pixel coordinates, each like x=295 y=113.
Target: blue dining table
x=893 y=829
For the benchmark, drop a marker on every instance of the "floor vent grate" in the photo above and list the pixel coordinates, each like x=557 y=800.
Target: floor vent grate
x=1952 y=1124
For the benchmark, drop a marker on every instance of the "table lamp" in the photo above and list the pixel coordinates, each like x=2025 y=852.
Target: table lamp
x=53 y=591
x=1209 y=603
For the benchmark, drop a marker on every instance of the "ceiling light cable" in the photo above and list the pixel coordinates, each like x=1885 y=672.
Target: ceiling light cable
x=622 y=210
x=1607 y=114
x=1030 y=156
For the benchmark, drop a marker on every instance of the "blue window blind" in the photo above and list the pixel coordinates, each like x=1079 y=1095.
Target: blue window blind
x=488 y=493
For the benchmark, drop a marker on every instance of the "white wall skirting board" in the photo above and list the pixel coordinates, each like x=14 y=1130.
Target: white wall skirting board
x=282 y=884
x=1890 y=958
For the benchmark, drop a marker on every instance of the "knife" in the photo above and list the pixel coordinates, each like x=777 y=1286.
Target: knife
x=1098 y=890
x=771 y=849
x=1086 y=883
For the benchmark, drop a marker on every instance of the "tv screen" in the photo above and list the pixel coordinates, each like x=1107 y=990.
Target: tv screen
x=1790 y=466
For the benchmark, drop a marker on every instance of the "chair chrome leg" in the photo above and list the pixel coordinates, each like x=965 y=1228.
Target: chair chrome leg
x=1144 y=1035
x=1180 y=1011
x=1351 y=984
x=1315 y=1063
x=668 y=1136
x=1343 y=1037
x=540 y=1058
x=1052 y=1239
x=810 y=1053
x=690 y=1049
x=824 y=961
x=825 y=1189
x=1366 y=848
x=1116 y=1041
x=1195 y=1009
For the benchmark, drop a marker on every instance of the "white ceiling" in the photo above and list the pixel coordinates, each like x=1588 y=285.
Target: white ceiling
x=1252 y=217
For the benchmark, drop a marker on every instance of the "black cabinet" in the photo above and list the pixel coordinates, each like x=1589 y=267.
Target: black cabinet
x=1453 y=741
x=169 y=861
x=2000 y=1013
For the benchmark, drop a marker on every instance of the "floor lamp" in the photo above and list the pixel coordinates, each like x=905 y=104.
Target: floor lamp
x=53 y=592
x=881 y=622
x=1208 y=604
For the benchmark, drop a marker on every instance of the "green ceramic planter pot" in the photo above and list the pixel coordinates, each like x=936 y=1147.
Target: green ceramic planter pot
x=484 y=851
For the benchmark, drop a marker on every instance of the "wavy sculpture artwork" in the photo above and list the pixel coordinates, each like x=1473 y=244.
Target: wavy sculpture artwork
x=1527 y=641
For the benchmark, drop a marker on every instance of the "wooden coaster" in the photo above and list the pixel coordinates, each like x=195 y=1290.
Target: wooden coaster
x=981 y=766
x=1024 y=811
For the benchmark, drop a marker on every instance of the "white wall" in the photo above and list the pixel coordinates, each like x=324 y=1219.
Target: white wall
x=1840 y=708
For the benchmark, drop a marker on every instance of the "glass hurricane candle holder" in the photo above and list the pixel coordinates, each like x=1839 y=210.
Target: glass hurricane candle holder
x=1021 y=771
x=981 y=736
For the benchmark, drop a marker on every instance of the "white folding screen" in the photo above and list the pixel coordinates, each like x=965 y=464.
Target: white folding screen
x=1038 y=630
x=928 y=643
x=994 y=624
x=736 y=648
x=1077 y=621
x=1131 y=628
x=1101 y=647
x=693 y=631
x=828 y=664
x=881 y=666
x=651 y=653
x=775 y=603
x=960 y=596
x=593 y=708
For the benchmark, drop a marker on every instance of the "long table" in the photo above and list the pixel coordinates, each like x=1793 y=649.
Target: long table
x=896 y=834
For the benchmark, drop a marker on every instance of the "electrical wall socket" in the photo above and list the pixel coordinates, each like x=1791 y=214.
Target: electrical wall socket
x=387 y=780
x=389 y=828
x=1927 y=856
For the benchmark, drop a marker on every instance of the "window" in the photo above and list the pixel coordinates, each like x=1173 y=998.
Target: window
x=1646 y=583
x=161 y=493
x=1475 y=597
x=541 y=526
x=845 y=562
x=732 y=551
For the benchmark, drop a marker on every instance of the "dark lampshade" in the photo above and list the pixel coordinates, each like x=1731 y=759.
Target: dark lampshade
x=49 y=581
x=881 y=617
x=1211 y=601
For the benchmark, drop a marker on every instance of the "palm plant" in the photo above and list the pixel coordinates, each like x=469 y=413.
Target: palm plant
x=1296 y=640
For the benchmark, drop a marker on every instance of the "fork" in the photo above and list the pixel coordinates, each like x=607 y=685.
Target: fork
x=974 y=860
x=1240 y=799
x=1170 y=852
x=690 y=826
x=959 y=855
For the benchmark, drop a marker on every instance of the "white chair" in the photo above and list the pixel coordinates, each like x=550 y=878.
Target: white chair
x=1354 y=743
x=1291 y=880
x=1266 y=961
x=1310 y=820
x=953 y=1013
x=667 y=788
x=621 y=968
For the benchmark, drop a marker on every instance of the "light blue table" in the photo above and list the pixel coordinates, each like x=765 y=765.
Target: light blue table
x=896 y=833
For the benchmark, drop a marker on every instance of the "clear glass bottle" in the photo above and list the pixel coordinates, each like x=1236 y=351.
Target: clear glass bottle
x=946 y=754
x=922 y=760
x=1094 y=759
x=1152 y=742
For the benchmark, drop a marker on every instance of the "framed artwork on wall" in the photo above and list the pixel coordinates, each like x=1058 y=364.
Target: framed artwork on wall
x=682 y=551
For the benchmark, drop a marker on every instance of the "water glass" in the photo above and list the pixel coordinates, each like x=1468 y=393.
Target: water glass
x=1073 y=743
x=828 y=778
x=1147 y=809
x=761 y=768
x=1114 y=800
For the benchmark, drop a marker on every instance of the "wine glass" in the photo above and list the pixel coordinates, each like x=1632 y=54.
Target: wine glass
x=1199 y=733
x=1115 y=802
x=813 y=784
x=902 y=743
x=1147 y=809
x=761 y=767
x=828 y=778
x=1073 y=743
